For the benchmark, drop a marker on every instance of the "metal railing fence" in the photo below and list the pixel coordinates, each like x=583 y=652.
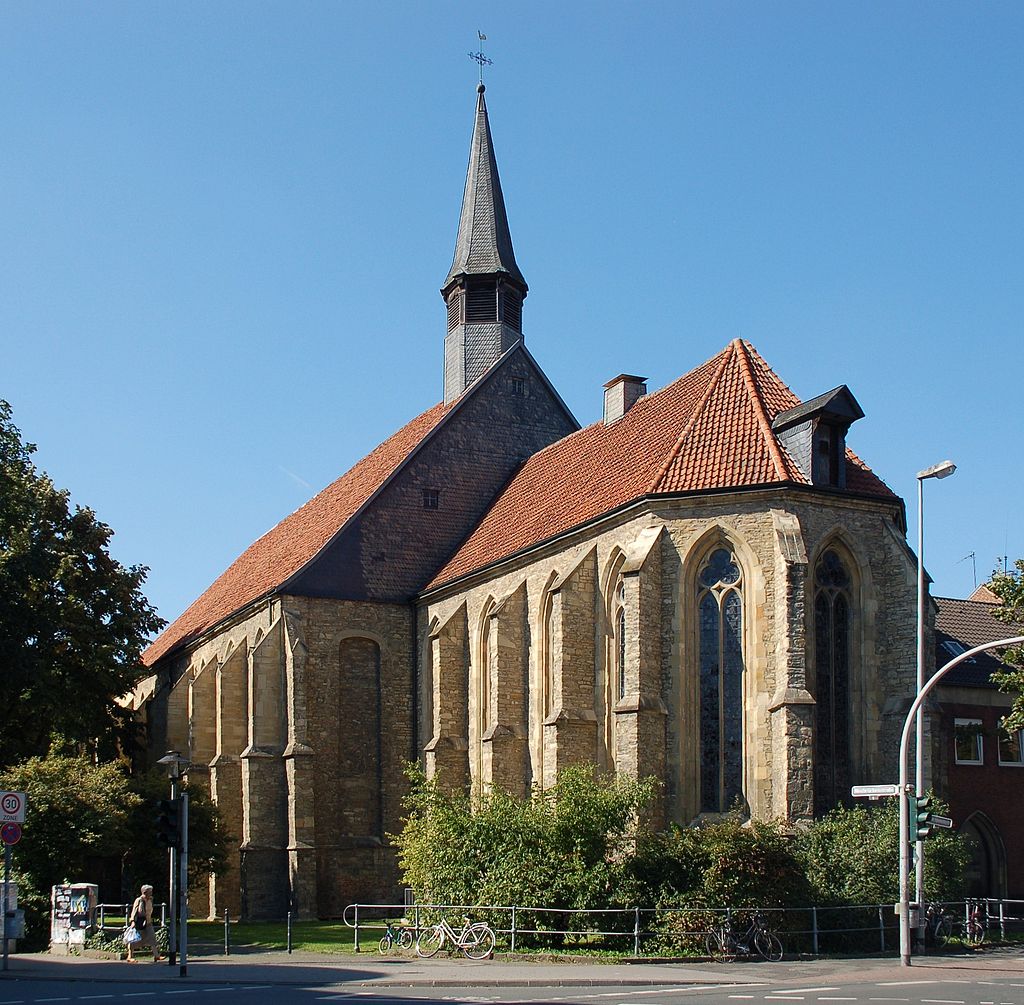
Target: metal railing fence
x=812 y=930
x=115 y=916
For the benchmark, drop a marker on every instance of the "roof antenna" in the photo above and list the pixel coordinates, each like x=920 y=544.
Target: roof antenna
x=480 y=59
x=974 y=566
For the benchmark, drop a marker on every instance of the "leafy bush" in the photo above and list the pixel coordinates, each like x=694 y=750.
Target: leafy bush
x=561 y=848
x=691 y=873
x=851 y=856
x=581 y=845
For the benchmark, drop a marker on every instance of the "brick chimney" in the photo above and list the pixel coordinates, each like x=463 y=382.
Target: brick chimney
x=621 y=394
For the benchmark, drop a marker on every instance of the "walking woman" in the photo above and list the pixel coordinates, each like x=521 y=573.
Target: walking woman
x=142 y=918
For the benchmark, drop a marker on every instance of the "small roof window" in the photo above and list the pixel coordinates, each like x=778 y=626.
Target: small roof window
x=955 y=649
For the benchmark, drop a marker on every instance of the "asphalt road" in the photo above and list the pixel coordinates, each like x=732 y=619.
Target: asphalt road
x=991 y=979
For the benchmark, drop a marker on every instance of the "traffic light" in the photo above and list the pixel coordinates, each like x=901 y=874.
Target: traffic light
x=920 y=817
x=168 y=823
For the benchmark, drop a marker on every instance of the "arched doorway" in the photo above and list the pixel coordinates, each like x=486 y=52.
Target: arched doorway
x=986 y=871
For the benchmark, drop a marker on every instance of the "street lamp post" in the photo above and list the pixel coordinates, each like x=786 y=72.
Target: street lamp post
x=176 y=766
x=942 y=470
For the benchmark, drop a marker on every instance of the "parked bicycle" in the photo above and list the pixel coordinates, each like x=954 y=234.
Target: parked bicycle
x=394 y=936
x=972 y=928
x=724 y=944
x=938 y=925
x=475 y=940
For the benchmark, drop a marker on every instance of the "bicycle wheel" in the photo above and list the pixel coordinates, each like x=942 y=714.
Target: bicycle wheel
x=430 y=941
x=384 y=946
x=768 y=945
x=975 y=932
x=478 y=942
x=943 y=930
x=720 y=945
x=404 y=938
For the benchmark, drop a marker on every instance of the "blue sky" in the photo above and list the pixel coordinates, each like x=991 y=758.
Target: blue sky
x=225 y=225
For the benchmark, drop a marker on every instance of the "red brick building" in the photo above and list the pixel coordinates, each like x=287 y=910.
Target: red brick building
x=980 y=765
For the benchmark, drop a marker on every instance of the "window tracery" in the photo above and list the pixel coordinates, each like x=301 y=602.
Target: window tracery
x=720 y=645
x=832 y=618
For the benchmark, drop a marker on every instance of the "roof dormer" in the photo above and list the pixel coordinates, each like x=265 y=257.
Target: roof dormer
x=814 y=434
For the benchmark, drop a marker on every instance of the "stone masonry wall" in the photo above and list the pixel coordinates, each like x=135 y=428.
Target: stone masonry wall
x=777 y=537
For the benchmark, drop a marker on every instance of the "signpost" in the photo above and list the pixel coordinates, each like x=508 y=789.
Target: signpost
x=874 y=791
x=12 y=807
x=12 y=816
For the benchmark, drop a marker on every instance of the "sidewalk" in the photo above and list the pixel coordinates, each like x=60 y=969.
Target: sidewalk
x=366 y=972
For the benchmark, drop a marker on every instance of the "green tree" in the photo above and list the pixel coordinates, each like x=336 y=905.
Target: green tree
x=73 y=620
x=145 y=861
x=1008 y=586
x=80 y=812
x=77 y=811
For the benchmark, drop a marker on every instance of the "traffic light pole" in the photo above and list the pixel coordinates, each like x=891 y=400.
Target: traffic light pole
x=905 y=787
x=173 y=856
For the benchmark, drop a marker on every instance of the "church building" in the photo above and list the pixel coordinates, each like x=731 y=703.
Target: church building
x=708 y=586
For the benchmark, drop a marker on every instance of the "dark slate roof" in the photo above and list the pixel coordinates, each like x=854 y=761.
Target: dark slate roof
x=839 y=403
x=969 y=622
x=484 y=244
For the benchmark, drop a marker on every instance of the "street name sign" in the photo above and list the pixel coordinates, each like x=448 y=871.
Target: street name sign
x=12 y=807
x=934 y=820
x=874 y=791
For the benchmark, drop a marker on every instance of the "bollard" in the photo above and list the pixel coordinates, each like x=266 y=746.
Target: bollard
x=227 y=933
x=289 y=931
x=513 y=929
x=814 y=929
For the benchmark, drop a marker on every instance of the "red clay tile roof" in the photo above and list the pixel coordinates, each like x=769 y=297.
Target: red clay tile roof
x=281 y=552
x=710 y=429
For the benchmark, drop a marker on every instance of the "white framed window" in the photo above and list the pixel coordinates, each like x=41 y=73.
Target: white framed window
x=969 y=741
x=1011 y=747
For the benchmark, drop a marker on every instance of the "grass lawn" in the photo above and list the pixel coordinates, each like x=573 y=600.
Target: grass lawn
x=307 y=936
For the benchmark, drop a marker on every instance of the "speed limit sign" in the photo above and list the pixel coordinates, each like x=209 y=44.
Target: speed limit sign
x=12 y=807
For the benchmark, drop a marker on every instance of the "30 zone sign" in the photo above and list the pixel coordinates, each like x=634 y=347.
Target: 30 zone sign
x=12 y=807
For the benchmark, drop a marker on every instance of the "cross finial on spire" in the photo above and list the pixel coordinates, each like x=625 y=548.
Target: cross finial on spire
x=479 y=58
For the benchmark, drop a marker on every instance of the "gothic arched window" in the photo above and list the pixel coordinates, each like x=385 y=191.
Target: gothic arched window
x=547 y=657
x=619 y=623
x=486 y=666
x=720 y=642
x=831 y=681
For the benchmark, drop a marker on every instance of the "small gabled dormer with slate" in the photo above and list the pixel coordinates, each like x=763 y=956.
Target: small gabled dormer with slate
x=814 y=434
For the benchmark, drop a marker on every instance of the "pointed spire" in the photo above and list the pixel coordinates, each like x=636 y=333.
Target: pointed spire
x=484 y=244
x=484 y=290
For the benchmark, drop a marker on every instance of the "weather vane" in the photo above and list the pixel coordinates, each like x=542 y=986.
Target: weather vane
x=479 y=57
